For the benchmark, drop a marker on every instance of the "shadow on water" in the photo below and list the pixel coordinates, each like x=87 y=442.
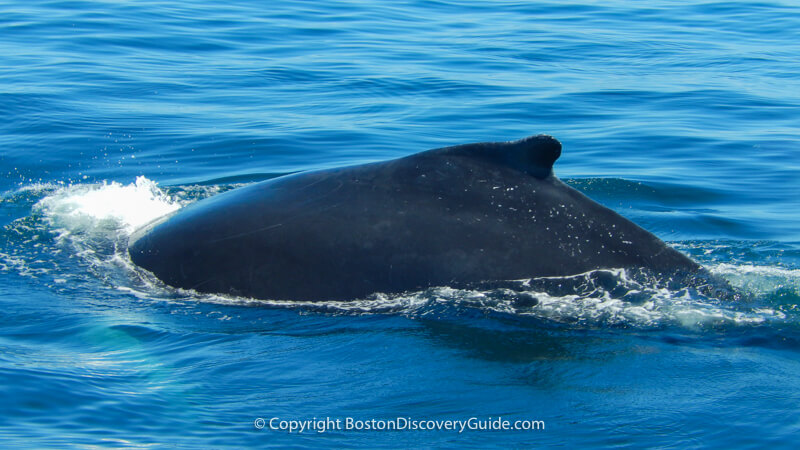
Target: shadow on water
x=507 y=340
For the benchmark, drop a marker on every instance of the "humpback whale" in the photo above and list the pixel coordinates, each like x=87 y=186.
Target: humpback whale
x=451 y=216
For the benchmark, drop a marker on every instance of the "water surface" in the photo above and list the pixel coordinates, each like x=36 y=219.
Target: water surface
x=682 y=116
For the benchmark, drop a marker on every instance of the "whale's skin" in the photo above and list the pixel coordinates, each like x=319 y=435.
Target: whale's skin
x=453 y=216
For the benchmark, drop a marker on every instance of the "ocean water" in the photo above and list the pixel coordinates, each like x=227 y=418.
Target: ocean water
x=681 y=115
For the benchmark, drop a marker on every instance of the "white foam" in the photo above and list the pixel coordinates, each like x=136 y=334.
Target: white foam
x=664 y=307
x=82 y=208
x=758 y=279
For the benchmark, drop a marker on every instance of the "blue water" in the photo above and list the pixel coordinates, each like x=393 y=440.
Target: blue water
x=682 y=116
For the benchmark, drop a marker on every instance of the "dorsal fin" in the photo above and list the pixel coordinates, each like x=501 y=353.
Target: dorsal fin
x=533 y=154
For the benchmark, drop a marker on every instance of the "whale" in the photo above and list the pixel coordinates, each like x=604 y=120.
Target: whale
x=456 y=216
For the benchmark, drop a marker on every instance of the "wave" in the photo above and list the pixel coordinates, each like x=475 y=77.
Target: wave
x=80 y=232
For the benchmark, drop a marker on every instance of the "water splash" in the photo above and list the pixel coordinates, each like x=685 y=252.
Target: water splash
x=759 y=279
x=107 y=207
x=92 y=223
